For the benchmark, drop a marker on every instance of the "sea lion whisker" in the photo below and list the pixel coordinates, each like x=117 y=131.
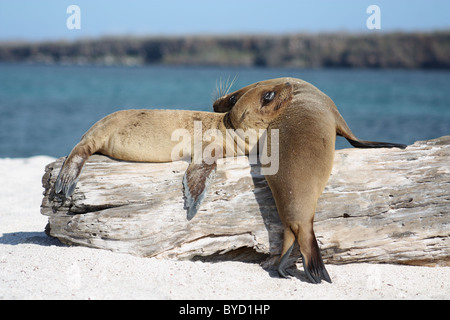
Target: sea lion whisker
x=223 y=87
x=216 y=93
x=231 y=84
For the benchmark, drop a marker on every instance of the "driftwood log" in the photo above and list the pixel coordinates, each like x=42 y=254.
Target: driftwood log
x=380 y=205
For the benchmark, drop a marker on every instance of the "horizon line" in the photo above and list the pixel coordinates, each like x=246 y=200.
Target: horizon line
x=218 y=35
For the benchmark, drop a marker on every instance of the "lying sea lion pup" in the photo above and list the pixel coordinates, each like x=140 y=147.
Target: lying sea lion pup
x=146 y=135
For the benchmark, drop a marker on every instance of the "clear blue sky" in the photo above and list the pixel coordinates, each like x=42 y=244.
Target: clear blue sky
x=46 y=19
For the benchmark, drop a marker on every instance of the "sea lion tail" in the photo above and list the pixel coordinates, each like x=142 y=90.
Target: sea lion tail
x=343 y=130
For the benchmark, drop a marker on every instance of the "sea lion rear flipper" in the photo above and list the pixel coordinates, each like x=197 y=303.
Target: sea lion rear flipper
x=68 y=175
x=282 y=271
x=288 y=245
x=196 y=182
x=71 y=168
x=313 y=265
x=315 y=272
x=67 y=187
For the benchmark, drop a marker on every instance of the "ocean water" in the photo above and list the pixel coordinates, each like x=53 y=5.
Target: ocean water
x=44 y=110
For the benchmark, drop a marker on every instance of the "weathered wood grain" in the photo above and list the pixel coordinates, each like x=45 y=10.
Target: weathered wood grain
x=380 y=205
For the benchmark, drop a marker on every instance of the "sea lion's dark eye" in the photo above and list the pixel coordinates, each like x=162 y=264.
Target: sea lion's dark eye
x=268 y=96
x=232 y=100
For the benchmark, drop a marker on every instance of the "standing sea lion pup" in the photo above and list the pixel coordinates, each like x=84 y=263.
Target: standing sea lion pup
x=307 y=135
x=147 y=136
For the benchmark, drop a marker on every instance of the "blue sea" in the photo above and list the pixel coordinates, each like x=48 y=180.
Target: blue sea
x=44 y=110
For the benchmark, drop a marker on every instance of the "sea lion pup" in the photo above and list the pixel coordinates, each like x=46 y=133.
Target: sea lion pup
x=226 y=102
x=307 y=130
x=147 y=136
x=307 y=135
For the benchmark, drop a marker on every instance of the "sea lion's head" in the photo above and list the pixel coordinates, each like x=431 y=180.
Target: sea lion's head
x=259 y=106
x=226 y=102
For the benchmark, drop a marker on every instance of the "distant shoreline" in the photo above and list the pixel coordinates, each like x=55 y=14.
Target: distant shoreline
x=397 y=50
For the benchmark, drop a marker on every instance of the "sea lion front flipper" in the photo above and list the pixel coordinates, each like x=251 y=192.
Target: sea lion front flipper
x=375 y=144
x=196 y=182
x=343 y=130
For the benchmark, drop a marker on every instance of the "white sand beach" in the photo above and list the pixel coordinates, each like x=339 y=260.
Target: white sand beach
x=34 y=266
